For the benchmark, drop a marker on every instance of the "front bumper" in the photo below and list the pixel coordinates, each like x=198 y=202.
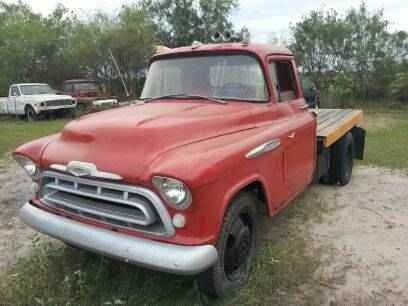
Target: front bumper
x=40 y=109
x=185 y=260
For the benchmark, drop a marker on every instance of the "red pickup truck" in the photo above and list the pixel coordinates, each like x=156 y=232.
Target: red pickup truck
x=176 y=181
x=87 y=93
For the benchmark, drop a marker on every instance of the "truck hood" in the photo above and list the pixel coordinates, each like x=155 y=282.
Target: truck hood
x=126 y=140
x=45 y=98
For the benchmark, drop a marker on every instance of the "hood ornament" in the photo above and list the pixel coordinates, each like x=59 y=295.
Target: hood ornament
x=81 y=169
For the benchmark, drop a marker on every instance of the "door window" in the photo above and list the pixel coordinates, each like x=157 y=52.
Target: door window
x=283 y=79
x=14 y=91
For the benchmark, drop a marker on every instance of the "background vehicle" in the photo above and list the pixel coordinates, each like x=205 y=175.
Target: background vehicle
x=33 y=100
x=176 y=182
x=87 y=93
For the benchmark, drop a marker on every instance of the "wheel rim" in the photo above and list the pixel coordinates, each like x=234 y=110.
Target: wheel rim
x=238 y=249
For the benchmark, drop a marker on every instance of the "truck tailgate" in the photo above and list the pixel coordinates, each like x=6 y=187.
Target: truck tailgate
x=3 y=105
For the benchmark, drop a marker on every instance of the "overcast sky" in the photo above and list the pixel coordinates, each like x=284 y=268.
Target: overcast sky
x=262 y=17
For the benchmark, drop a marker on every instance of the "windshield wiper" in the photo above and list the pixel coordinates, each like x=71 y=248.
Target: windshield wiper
x=183 y=95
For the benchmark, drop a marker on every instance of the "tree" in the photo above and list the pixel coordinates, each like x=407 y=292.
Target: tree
x=180 y=22
x=53 y=48
x=321 y=46
x=367 y=40
x=352 y=55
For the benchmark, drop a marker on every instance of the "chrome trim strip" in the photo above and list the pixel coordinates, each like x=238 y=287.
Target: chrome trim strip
x=147 y=213
x=263 y=148
x=89 y=170
x=166 y=257
x=150 y=195
x=100 y=213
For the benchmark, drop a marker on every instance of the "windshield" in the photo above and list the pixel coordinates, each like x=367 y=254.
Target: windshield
x=29 y=90
x=86 y=87
x=229 y=77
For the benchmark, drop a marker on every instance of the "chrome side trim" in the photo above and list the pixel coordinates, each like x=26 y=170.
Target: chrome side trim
x=166 y=257
x=263 y=148
x=78 y=168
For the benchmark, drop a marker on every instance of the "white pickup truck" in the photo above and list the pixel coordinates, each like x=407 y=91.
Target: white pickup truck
x=33 y=100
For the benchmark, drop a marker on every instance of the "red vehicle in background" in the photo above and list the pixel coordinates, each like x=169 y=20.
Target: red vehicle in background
x=87 y=93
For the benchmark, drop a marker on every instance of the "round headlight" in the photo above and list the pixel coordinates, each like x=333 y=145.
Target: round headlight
x=28 y=165
x=173 y=191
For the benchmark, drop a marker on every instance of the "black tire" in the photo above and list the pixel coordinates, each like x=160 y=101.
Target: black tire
x=30 y=114
x=238 y=233
x=345 y=159
x=331 y=177
x=342 y=161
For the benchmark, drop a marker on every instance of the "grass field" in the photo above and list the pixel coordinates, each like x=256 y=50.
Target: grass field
x=387 y=139
x=16 y=132
x=59 y=275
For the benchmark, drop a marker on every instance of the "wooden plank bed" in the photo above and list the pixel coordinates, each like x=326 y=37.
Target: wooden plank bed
x=332 y=124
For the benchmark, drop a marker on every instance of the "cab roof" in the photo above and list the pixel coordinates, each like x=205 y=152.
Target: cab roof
x=261 y=50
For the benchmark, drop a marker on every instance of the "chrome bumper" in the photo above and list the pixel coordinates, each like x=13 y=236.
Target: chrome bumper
x=185 y=260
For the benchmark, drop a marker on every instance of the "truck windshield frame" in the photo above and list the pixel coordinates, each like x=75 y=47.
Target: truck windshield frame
x=231 y=77
x=37 y=89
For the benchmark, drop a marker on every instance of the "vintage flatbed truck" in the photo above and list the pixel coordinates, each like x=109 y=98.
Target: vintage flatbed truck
x=176 y=181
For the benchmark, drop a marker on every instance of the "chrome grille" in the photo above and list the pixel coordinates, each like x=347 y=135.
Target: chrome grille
x=58 y=103
x=116 y=204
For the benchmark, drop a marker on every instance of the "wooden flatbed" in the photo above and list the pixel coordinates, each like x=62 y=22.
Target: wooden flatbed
x=332 y=124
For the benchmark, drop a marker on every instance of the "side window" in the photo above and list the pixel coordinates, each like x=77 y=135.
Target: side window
x=14 y=91
x=283 y=78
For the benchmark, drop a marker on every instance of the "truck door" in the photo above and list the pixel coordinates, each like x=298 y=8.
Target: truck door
x=14 y=94
x=299 y=140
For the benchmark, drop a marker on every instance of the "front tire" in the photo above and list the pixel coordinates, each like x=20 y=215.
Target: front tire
x=236 y=249
x=30 y=114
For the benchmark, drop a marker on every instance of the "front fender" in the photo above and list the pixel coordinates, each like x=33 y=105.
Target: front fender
x=204 y=162
x=216 y=170
x=34 y=149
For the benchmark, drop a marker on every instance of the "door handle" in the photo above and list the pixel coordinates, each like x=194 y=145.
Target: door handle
x=304 y=106
x=292 y=135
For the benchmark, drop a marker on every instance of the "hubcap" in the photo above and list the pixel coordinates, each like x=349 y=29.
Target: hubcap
x=238 y=249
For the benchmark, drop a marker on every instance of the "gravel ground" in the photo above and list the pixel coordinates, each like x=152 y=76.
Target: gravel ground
x=362 y=242
x=16 y=239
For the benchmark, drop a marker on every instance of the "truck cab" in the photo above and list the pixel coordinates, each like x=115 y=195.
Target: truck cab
x=176 y=180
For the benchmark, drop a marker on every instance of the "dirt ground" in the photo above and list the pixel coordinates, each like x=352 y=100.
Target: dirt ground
x=362 y=242
x=16 y=239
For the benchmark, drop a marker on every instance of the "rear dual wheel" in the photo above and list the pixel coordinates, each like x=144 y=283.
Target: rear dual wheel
x=342 y=162
x=236 y=249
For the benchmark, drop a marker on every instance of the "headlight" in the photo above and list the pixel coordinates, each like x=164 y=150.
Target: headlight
x=28 y=165
x=173 y=191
